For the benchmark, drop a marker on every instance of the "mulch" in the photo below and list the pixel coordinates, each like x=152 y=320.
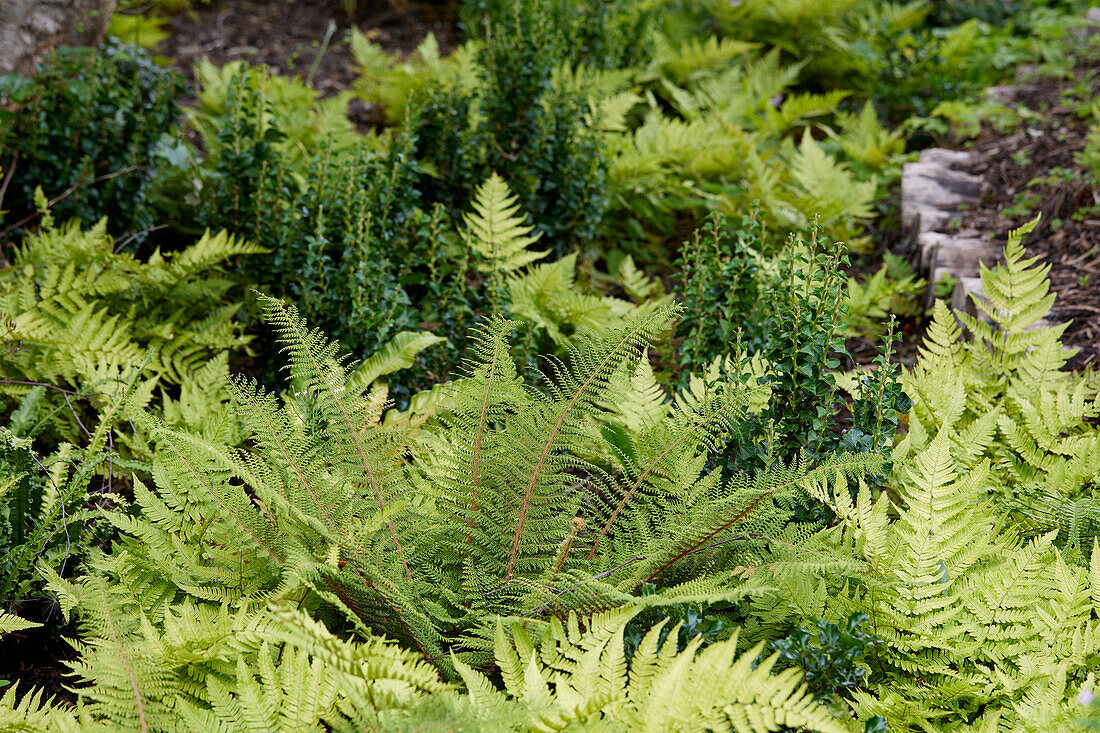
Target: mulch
x=288 y=36
x=1033 y=170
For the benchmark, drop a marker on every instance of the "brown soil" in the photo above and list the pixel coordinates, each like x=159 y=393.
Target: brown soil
x=1033 y=170
x=40 y=656
x=287 y=35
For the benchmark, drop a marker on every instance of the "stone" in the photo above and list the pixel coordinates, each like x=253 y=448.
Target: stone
x=932 y=189
x=960 y=255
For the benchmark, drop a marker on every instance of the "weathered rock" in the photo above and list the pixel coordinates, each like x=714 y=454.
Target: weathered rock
x=960 y=296
x=960 y=255
x=933 y=188
x=1091 y=27
x=932 y=192
x=1009 y=94
x=30 y=28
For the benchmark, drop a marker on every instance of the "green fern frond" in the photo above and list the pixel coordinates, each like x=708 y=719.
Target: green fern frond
x=34 y=713
x=973 y=619
x=825 y=186
x=592 y=682
x=496 y=231
x=396 y=354
x=545 y=297
x=93 y=321
x=1009 y=402
x=130 y=687
x=10 y=623
x=695 y=56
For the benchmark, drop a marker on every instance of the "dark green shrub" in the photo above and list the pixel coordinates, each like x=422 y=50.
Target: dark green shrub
x=832 y=662
x=790 y=316
x=538 y=138
x=720 y=271
x=87 y=128
x=363 y=239
x=351 y=241
x=606 y=35
x=946 y=13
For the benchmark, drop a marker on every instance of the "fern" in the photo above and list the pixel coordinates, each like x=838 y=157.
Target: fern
x=10 y=623
x=826 y=187
x=510 y=500
x=729 y=144
x=546 y=297
x=397 y=84
x=696 y=56
x=47 y=516
x=198 y=667
x=1011 y=403
x=395 y=355
x=91 y=322
x=561 y=676
x=308 y=122
x=150 y=665
x=975 y=620
x=495 y=232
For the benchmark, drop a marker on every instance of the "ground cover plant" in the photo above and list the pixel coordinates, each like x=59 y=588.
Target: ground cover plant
x=552 y=378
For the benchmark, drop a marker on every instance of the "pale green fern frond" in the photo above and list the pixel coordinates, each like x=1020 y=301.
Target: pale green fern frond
x=10 y=623
x=396 y=354
x=33 y=712
x=696 y=56
x=496 y=231
x=592 y=682
x=825 y=186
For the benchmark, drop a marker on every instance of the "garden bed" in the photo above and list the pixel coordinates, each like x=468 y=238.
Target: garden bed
x=652 y=454
x=290 y=38
x=1035 y=169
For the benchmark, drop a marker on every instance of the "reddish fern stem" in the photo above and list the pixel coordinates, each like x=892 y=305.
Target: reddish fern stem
x=630 y=492
x=549 y=444
x=214 y=495
x=272 y=431
x=700 y=543
x=358 y=447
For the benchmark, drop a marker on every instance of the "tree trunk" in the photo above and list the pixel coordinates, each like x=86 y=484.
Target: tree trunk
x=30 y=28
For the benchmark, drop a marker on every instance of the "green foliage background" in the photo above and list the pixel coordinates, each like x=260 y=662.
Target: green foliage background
x=533 y=409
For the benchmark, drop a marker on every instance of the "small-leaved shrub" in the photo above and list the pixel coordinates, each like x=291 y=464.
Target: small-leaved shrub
x=89 y=128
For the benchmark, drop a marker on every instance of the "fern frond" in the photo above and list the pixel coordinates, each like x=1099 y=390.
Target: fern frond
x=696 y=56
x=313 y=360
x=593 y=683
x=396 y=354
x=495 y=230
x=34 y=713
x=10 y=623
